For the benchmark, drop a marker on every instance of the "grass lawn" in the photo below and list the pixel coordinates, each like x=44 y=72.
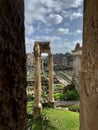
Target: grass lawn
x=37 y=124
x=60 y=119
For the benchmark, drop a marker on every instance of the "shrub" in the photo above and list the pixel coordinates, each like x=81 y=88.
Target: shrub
x=75 y=108
x=57 y=96
x=44 y=95
x=30 y=97
x=71 y=86
x=72 y=95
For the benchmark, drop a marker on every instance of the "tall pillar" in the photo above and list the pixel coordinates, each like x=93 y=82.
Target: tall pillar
x=89 y=74
x=37 y=102
x=51 y=89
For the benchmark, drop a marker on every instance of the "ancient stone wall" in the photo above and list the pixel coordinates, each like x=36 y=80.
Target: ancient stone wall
x=12 y=66
x=89 y=74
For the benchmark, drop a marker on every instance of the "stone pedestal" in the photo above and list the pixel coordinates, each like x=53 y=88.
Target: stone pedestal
x=37 y=112
x=51 y=104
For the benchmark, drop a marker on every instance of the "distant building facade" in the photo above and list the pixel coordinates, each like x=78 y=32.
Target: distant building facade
x=30 y=60
x=77 y=58
x=62 y=61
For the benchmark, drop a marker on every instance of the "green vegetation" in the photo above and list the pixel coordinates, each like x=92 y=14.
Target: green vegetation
x=55 y=119
x=74 y=108
x=37 y=124
x=64 y=75
x=72 y=95
x=62 y=119
x=59 y=86
x=69 y=77
x=57 y=96
x=29 y=106
x=46 y=74
x=44 y=95
x=30 y=97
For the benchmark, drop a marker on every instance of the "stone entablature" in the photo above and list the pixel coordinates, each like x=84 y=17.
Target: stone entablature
x=44 y=46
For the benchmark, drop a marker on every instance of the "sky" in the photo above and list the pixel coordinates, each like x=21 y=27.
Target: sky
x=57 y=21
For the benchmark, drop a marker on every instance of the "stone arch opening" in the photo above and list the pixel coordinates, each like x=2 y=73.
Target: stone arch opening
x=39 y=48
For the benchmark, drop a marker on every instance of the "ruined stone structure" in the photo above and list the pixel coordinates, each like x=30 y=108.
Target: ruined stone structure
x=42 y=47
x=77 y=59
x=29 y=61
x=12 y=66
x=89 y=74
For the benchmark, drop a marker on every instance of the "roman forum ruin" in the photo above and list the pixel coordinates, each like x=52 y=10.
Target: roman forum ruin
x=39 y=48
x=13 y=67
x=77 y=59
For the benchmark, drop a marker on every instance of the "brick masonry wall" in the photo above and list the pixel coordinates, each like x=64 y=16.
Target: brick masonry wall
x=12 y=65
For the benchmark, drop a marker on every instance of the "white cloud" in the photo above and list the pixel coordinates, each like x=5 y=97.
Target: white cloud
x=58 y=5
x=71 y=44
x=56 y=38
x=62 y=31
x=65 y=46
x=75 y=15
x=34 y=11
x=77 y=3
x=29 y=29
x=42 y=38
x=54 y=19
x=78 y=41
x=78 y=31
x=72 y=15
x=47 y=30
x=40 y=13
x=38 y=9
x=29 y=41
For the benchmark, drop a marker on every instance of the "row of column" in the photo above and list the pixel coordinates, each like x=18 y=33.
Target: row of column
x=37 y=100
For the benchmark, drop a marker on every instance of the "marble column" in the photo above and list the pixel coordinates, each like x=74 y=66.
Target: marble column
x=51 y=89
x=37 y=100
